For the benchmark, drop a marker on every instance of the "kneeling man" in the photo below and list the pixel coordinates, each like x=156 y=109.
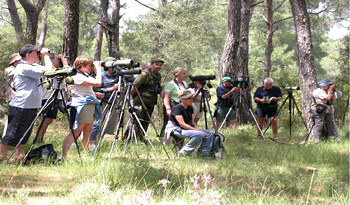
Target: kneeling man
x=181 y=125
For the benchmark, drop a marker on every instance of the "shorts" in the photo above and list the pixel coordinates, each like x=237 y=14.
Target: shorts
x=86 y=115
x=19 y=120
x=51 y=113
x=222 y=112
x=267 y=111
x=196 y=110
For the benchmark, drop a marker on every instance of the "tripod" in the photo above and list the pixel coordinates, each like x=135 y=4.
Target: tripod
x=112 y=101
x=133 y=119
x=204 y=105
x=291 y=100
x=239 y=98
x=48 y=105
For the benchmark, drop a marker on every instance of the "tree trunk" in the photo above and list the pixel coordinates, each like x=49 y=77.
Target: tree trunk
x=32 y=13
x=268 y=45
x=112 y=31
x=229 y=56
x=242 y=108
x=307 y=74
x=41 y=41
x=71 y=29
x=16 y=22
x=99 y=36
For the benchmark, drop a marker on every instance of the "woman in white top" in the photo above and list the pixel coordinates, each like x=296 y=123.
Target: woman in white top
x=84 y=100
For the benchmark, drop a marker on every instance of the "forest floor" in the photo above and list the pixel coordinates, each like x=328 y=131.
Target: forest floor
x=252 y=172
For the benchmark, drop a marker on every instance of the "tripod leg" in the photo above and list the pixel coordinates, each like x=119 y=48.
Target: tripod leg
x=48 y=103
x=278 y=112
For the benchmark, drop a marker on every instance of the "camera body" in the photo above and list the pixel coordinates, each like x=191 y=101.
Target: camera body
x=201 y=78
x=291 y=88
x=127 y=63
x=240 y=82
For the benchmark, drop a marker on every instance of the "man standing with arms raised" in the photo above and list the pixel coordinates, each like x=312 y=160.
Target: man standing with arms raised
x=23 y=107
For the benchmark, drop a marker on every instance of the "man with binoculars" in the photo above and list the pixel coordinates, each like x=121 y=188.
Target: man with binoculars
x=23 y=108
x=325 y=97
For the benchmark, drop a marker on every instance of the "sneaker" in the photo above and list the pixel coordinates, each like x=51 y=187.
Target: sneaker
x=92 y=147
x=73 y=145
x=259 y=137
x=183 y=153
x=275 y=138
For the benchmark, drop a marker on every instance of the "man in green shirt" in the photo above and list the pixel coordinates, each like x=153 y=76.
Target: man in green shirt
x=148 y=85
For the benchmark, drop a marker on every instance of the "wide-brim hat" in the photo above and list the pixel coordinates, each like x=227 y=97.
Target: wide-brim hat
x=325 y=82
x=14 y=57
x=185 y=94
x=27 y=49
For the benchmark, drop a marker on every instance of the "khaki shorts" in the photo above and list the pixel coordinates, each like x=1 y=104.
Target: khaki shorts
x=87 y=114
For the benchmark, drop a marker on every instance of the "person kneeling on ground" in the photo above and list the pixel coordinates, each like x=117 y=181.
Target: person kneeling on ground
x=181 y=125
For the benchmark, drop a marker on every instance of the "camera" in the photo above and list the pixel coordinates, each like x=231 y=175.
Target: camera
x=127 y=63
x=292 y=88
x=240 y=82
x=63 y=72
x=202 y=77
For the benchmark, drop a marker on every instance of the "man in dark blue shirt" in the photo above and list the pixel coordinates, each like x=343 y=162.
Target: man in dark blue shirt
x=267 y=97
x=224 y=93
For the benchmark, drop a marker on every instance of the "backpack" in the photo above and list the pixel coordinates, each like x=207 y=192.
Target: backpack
x=218 y=148
x=42 y=154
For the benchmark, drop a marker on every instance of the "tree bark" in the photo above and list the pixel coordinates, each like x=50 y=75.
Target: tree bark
x=100 y=30
x=242 y=108
x=229 y=56
x=41 y=41
x=71 y=29
x=16 y=22
x=112 y=31
x=307 y=73
x=269 y=35
x=32 y=13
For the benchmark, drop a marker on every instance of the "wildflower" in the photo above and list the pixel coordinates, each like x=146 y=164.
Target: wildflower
x=164 y=182
x=206 y=179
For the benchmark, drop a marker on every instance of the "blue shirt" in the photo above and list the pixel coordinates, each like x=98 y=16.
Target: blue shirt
x=220 y=91
x=107 y=82
x=262 y=93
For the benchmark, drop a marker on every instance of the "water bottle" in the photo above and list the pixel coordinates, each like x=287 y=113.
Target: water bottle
x=218 y=154
x=45 y=154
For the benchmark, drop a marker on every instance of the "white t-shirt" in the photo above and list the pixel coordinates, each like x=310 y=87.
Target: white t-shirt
x=80 y=90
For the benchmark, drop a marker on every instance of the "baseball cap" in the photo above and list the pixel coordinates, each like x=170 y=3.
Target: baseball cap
x=325 y=82
x=14 y=57
x=27 y=49
x=225 y=79
x=184 y=94
x=156 y=60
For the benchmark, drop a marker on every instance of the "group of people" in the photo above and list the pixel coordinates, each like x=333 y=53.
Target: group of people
x=182 y=105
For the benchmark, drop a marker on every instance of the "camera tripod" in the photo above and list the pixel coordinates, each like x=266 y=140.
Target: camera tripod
x=204 y=105
x=52 y=100
x=292 y=101
x=239 y=98
x=134 y=120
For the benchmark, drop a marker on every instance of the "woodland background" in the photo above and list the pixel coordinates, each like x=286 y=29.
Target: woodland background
x=190 y=33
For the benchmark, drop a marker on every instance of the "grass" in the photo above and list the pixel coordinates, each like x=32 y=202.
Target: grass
x=253 y=172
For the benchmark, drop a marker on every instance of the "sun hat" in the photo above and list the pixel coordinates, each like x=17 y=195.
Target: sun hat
x=325 y=82
x=14 y=57
x=185 y=94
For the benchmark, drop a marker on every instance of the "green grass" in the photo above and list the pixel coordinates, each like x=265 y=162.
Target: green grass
x=253 y=172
